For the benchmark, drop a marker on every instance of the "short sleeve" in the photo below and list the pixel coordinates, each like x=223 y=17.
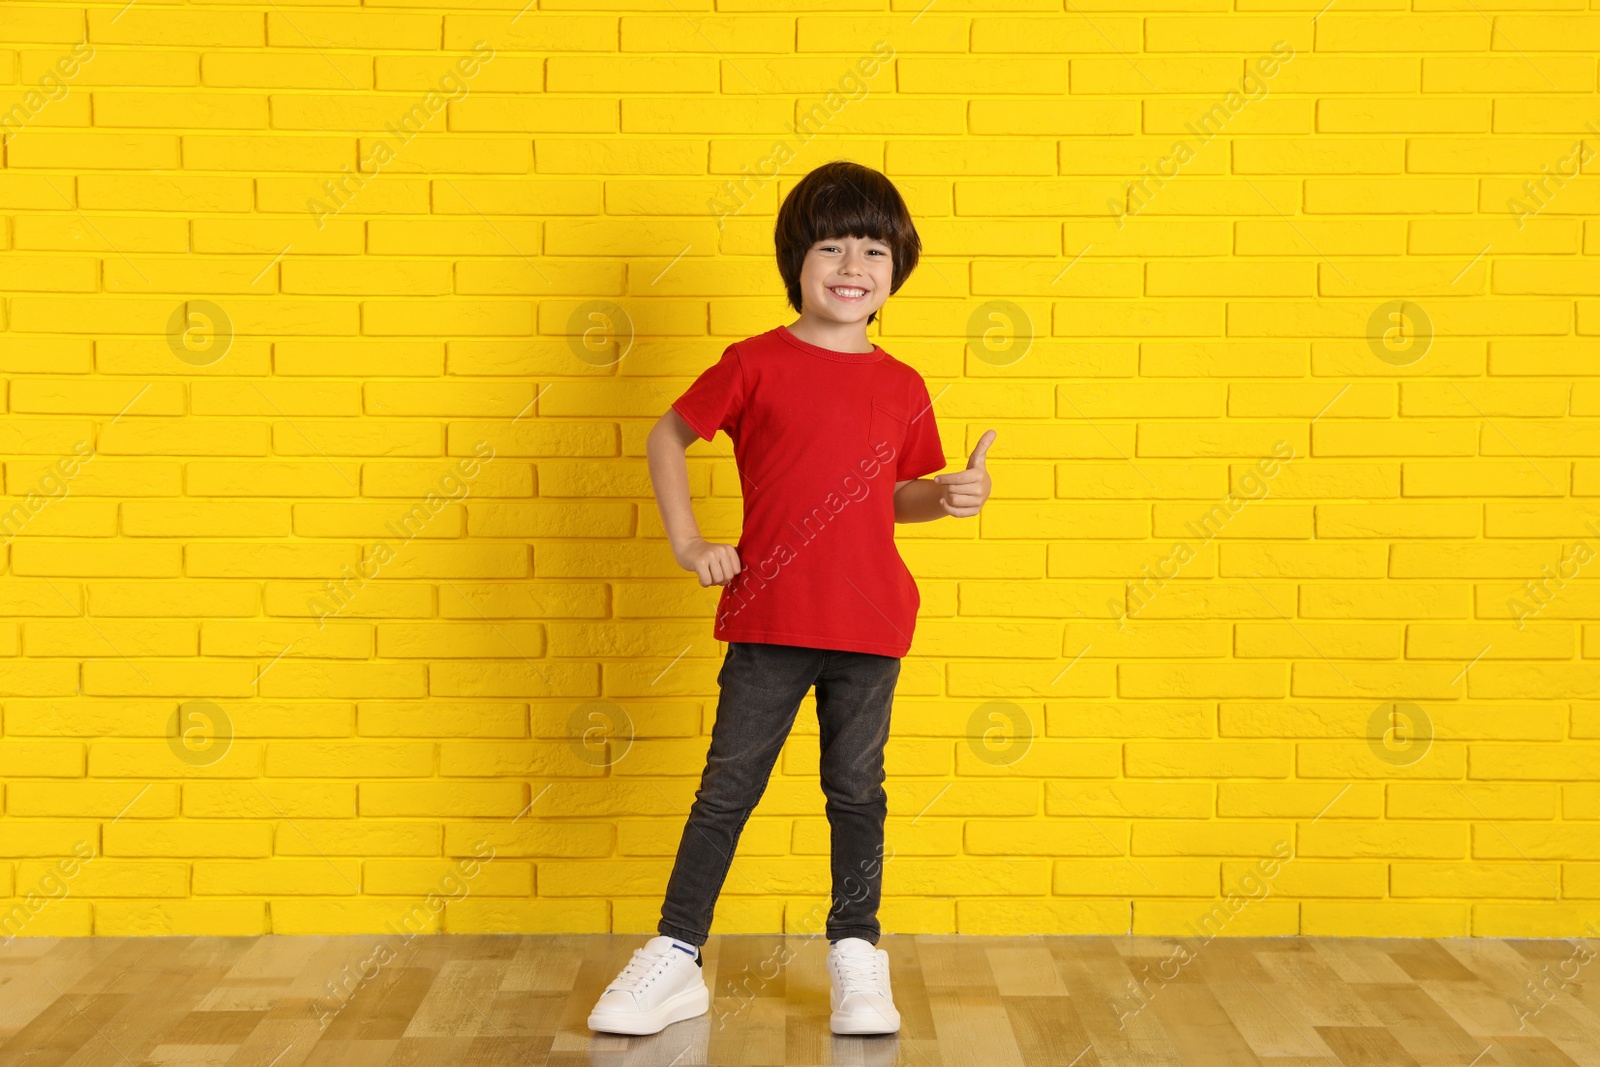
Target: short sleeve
x=923 y=452
x=715 y=399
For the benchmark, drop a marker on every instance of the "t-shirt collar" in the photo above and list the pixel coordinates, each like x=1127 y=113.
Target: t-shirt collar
x=876 y=354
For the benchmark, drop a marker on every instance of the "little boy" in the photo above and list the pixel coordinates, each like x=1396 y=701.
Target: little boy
x=832 y=437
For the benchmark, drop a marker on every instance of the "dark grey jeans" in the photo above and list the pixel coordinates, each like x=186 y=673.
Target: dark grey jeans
x=762 y=686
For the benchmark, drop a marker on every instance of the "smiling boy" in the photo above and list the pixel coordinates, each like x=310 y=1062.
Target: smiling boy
x=832 y=438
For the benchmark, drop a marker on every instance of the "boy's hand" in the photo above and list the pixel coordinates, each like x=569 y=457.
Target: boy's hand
x=968 y=489
x=716 y=564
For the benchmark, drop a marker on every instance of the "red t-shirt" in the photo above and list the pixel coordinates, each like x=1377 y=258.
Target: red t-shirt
x=819 y=437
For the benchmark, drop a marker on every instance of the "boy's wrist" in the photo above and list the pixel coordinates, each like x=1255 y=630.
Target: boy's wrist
x=680 y=545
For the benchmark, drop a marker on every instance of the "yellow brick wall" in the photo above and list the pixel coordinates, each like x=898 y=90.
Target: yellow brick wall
x=335 y=598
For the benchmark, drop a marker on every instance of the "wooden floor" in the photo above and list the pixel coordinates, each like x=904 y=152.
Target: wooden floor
x=520 y=1001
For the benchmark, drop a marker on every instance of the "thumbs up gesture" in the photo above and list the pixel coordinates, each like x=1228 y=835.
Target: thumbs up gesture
x=967 y=490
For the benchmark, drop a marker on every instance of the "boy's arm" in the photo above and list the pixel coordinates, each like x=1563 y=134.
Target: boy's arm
x=917 y=500
x=961 y=493
x=669 y=439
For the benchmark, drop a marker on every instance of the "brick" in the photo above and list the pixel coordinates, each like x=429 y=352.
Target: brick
x=41 y=25
x=477 y=877
x=516 y=679
x=1505 y=74
x=1548 y=33
x=431 y=484
x=144 y=67
x=378 y=521
x=367 y=359
x=149 y=356
x=364 y=759
x=501 y=74
x=611 y=74
x=451 y=562
x=436 y=719
x=163 y=518
x=188 y=839
x=41 y=759
x=1416 y=195
x=348 y=837
x=386 y=277
x=274 y=639
x=111 y=234
x=451 y=237
x=272 y=800
x=43 y=598
x=180 y=111
x=159 y=192
x=509 y=196
x=300 y=70
x=34 y=191
x=350 y=30
x=271 y=236
x=486 y=318
x=71 y=355
x=48 y=517
x=117 y=678
x=468 y=600
x=351 y=598
x=429 y=153
x=1374 y=32
x=365 y=916
x=335 y=192
x=301 y=719
x=541 y=114
x=245 y=560
x=103 y=397
x=279 y=399
x=277 y=877
x=443 y=799
x=460 y=640
x=108 y=718
x=1486 y=478
x=168 y=27
x=253 y=153
x=74 y=151
x=183 y=437
x=109 y=800
x=105 y=638
x=1401 y=115
x=449 y=398
x=559 y=32
x=204 y=478
x=115 y=560
x=186 y=599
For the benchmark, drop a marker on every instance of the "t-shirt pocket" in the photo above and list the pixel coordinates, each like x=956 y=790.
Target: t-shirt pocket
x=887 y=426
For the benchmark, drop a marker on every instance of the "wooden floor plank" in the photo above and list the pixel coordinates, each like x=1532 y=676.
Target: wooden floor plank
x=522 y=1001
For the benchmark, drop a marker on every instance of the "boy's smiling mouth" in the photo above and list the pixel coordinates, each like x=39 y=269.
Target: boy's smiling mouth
x=850 y=294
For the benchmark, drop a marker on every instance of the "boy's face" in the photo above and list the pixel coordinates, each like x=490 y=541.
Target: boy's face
x=845 y=279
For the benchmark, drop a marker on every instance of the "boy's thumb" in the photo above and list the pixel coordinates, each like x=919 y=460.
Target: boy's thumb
x=981 y=452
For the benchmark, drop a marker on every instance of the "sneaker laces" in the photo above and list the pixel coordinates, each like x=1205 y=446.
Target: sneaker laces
x=640 y=969
x=863 y=973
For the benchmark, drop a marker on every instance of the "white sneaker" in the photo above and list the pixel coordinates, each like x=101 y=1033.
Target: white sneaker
x=860 y=997
x=661 y=985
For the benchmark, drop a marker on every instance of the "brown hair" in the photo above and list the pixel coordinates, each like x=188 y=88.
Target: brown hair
x=843 y=199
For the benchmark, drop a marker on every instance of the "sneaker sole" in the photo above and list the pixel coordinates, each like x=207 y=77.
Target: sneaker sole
x=858 y=1025
x=688 y=1004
